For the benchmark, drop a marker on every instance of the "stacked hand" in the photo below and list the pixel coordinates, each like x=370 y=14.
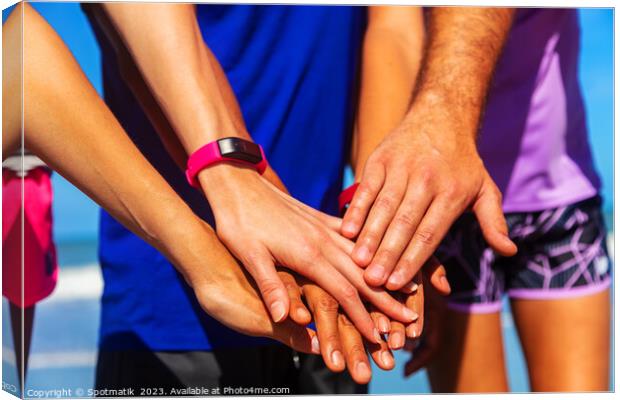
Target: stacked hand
x=264 y=227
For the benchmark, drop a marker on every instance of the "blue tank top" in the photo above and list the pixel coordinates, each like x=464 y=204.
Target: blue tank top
x=294 y=72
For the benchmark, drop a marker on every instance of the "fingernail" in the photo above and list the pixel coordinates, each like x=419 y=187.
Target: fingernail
x=385 y=325
x=411 y=287
x=362 y=368
x=348 y=227
x=386 y=357
x=316 y=348
x=363 y=254
x=444 y=283
x=337 y=358
x=397 y=340
x=376 y=272
x=412 y=331
x=395 y=279
x=410 y=314
x=302 y=314
x=278 y=311
x=377 y=336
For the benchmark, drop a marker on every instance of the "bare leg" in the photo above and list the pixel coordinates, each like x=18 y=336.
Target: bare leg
x=21 y=359
x=471 y=356
x=566 y=342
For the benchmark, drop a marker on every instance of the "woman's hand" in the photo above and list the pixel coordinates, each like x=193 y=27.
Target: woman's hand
x=264 y=227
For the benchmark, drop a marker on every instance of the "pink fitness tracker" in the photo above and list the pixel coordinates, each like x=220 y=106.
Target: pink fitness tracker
x=230 y=149
x=346 y=196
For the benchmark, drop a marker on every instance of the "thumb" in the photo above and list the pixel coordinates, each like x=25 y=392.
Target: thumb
x=488 y=210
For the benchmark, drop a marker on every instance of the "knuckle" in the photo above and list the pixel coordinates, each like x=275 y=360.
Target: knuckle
x=357 y=348
x=308 y=250
x=269 y=286
x=349 y=294
x=386 y=255
x=368 y=188
x=253 y=257
x=331 y=337
x=385 y=202
x=425 y=236
x=404 y=220
x=426 y=176
x=327 y=304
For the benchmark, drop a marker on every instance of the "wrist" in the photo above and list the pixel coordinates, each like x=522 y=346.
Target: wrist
x=225 y=179
x=449 y=120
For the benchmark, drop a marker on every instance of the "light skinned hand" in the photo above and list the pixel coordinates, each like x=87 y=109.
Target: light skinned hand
x=424 y=348
x=264 y=227
x=228 y=295
x=414 y=186
x=413 y=295
x=341 y=343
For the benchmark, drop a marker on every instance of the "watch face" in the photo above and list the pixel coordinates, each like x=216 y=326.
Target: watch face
x=240 y=149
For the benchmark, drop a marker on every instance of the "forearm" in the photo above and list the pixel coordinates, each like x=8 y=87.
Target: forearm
x=463 y=48
x=392 y=53
x=185 y=78
x=176 y=78
x=71 y=129
x=11 y=83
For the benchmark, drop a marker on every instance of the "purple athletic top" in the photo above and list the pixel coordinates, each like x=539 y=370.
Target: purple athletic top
x=534 y=139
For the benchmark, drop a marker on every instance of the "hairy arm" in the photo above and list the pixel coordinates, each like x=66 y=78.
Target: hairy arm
x=427 y=170
x=463 y=48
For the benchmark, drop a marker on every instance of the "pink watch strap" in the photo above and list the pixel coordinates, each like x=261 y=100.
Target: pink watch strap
x=208 y=155
x=346 y=196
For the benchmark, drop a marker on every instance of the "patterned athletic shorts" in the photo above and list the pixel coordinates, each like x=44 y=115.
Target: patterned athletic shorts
x=562 y=254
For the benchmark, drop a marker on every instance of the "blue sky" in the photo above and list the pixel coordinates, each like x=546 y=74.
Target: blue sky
x=76 y=217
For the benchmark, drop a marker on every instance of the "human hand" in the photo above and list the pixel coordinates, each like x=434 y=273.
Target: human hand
x=424 y=348
x=433 y=274
x=341 y=343
x=228 y=294
x=414 y=185
x=262 y=227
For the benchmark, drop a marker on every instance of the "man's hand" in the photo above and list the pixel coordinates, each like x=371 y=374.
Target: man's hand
x=427 y=171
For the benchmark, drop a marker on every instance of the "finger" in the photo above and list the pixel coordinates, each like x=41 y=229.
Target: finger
x=434 y=226
x=298 y=311
x=332 y=281
x=382 y=212
x=382 y=355
x=365 y=195
x=354 y=351
x=415 y=302
x=409 y=288
x=396 y=339
x=381 y=321
x=297 y=337
x=261 y=266
x=398 y=235
x=436 y=274
x=488 y=210
x=325 y=310
x=377 y=296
